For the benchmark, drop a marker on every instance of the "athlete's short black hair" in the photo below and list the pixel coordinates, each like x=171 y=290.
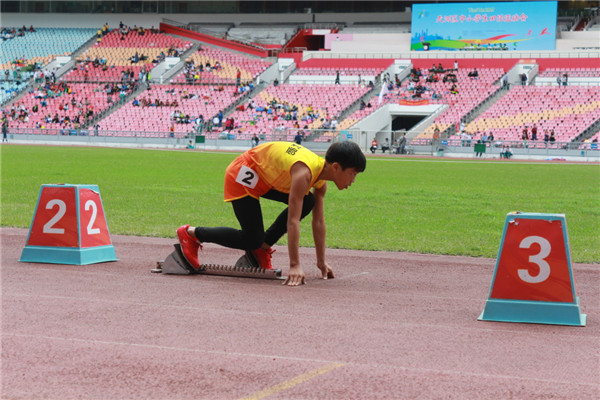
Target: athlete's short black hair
x=348 y=154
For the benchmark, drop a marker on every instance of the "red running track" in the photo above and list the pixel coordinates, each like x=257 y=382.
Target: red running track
x=390 y=326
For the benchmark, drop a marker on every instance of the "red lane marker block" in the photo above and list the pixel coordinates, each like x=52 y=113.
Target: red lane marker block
x=55 y=220
x=69 y=227
x=533 y=263
x=533 y=279
x=94 y=230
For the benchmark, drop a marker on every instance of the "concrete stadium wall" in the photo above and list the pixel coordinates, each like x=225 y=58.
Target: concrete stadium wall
x=147 y=20
x=373 y=42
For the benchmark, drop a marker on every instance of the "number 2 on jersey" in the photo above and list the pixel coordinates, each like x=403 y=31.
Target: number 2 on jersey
x=247 y=177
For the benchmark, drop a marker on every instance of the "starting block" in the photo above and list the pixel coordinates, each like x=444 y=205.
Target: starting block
x=246 y=266
x=533 y=279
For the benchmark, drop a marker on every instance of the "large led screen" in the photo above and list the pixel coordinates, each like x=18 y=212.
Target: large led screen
x=528 y=25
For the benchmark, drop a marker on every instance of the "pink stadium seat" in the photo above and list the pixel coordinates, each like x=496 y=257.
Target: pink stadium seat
x=568 y=111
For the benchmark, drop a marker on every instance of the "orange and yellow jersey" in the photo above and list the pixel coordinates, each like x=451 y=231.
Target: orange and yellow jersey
x=267 y=167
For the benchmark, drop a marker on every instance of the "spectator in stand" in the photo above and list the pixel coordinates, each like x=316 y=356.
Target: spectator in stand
x=337 y=77
x=298 y=138
x=4 y=128
x=565 y=79
x=474 y=73
x=525 y=137
x=450 y=77
x=505 y=84
x=374 y=145
x=229 y=123
x=385 y=146
x=534 y=132
x=432 y=77
x=552 y=137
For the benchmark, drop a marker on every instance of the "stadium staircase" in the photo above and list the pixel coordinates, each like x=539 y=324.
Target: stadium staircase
x=141 y=88
x=482 y=107
x=367 y=97
x=165 y=73
x=243 y=99
x=589 y=132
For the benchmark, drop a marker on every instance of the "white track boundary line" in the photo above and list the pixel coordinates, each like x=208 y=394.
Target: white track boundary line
x=274 y=356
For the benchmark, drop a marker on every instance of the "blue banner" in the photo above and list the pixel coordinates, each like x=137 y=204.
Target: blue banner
x=528 y=25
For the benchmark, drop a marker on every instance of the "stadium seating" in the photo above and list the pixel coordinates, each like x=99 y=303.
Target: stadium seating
x=118 y=55
x=471 y=92
x=572 y=72
x=95 y=95
x=43 y=45
x=19 y=54
x=566 y=110
x=9 y=89
x=324 y=102
x=229 y=62
x=153 y=120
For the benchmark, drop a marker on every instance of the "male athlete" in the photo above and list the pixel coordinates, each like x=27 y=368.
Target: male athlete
x=284 y=172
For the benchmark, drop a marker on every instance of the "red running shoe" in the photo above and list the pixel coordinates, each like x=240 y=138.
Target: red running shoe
x=264 y=257
x=189 y=246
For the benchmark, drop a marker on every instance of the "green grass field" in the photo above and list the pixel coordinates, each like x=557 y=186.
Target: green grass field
x=436 y=206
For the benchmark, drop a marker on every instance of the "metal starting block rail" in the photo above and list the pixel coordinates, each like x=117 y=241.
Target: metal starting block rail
x=245 y=266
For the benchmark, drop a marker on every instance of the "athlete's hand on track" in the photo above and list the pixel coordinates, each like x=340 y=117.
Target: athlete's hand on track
x=295 y=276
x=326 y=271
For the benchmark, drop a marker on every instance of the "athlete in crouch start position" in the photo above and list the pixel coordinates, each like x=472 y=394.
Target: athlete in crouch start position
x=283 y=172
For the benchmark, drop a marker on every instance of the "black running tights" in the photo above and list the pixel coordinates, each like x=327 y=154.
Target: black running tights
x=252 y=233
